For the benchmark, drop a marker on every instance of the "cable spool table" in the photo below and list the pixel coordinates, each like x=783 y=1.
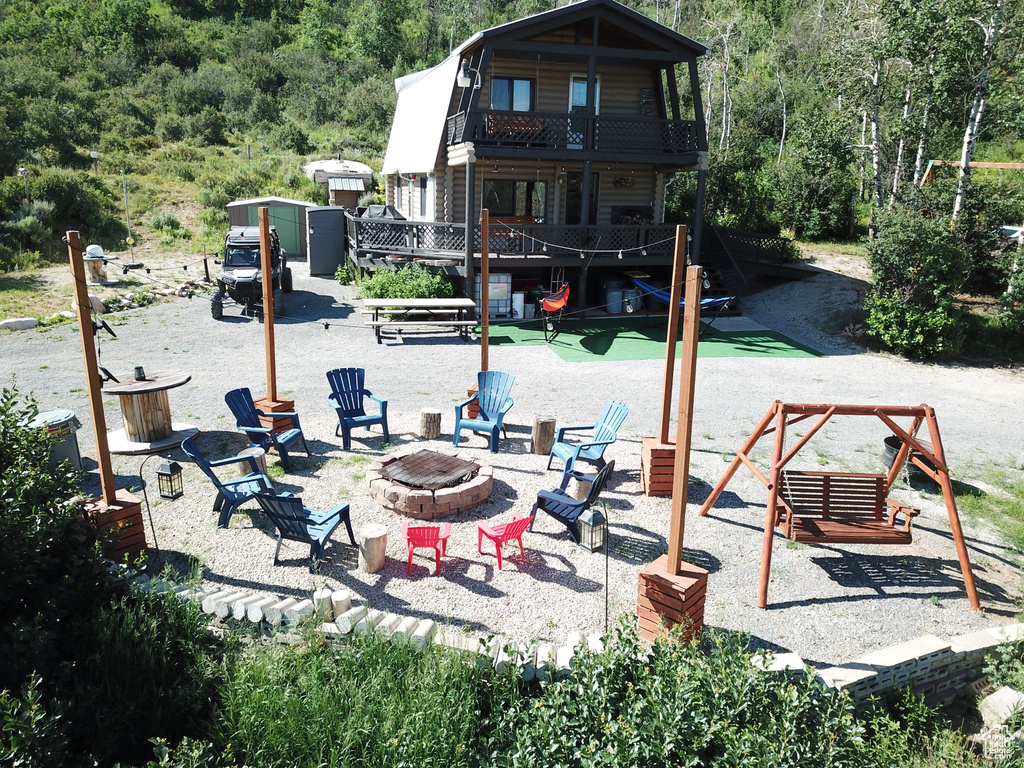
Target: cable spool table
x=146 y=413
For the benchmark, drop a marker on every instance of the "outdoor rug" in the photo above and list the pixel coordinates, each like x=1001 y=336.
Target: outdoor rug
x=642 y=338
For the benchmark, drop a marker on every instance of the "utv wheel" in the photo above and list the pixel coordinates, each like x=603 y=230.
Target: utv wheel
x=217 y=305
x=286 y=280
x=278 y=303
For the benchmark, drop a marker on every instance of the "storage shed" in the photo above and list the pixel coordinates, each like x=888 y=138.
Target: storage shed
x=289 y=216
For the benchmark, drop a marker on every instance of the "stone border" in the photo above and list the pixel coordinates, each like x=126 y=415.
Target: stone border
x=937 y=668
x=423 y=504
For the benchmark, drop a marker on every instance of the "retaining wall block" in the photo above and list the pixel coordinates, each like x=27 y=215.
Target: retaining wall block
x=210 y=601
x=341 y=601
x=368 y=622
x=322 y=603
x=423 y=634
x=255 y=611
x=350 y=618
x=403 y=632
x=298 y=613
x=240 y=608
x=329 y=630
x=386 y=626
x=545 y=661
x=222 y=608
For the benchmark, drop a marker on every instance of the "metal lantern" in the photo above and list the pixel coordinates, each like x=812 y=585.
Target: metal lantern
x=593 y=530
x=169 y=475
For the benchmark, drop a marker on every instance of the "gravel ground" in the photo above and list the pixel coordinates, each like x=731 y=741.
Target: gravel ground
x=829 y=603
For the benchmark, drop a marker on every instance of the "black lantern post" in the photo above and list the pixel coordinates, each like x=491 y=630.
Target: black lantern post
x=593 y=529
x=169 y=476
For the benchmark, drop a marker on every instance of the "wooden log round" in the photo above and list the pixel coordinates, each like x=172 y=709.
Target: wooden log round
x=373 y=544
x=543 y=435
x=146 y=416
x=245 y=468
x=578 y=489
x=430 y=423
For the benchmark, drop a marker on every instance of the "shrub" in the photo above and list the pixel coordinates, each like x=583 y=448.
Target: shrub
x=409 y=282
x=918 y=268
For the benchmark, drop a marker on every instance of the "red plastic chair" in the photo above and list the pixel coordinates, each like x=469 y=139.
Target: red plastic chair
x=434 y=537
x=552 y=308
x=499 y=534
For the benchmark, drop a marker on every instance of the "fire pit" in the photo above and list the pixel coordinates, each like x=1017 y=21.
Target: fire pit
x=427 y=485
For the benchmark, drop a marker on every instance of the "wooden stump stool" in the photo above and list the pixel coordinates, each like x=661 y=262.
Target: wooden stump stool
x=543 y=435
x=430 y=423
x=245 y=468
x=373 y=545
x=579 y=489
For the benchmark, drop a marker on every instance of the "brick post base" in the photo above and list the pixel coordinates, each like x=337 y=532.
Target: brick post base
x=120 y=522
x=272 y=406
x=667 y=599
x=657 y=465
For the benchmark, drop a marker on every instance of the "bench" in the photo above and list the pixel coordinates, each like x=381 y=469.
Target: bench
x=841 y=508
x=423 y=313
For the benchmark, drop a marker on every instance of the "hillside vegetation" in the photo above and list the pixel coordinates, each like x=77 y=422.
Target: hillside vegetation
x=821 y=115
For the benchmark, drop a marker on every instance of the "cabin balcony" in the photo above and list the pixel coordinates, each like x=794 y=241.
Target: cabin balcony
x=619 y=138
x=374 y=242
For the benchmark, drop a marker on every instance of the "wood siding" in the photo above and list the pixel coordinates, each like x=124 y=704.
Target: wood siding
x=619 y=86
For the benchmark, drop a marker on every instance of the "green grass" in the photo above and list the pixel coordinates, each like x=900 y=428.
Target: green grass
x=1003 y=506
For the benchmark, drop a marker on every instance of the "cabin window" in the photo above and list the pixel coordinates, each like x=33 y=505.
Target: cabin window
x=509 y=197
x=511 y=94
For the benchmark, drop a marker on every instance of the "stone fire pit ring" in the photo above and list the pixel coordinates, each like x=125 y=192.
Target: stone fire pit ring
x=423 y=504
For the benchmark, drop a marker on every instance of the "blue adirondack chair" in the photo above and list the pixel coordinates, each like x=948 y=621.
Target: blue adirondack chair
x=248 y=420
x=492 y=395
x=231 y=494
x=296 y=522
x=347 y=396
x=567 y=509
x=592 y=447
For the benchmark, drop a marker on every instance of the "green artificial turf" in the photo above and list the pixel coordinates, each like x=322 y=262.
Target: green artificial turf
x=642 y=338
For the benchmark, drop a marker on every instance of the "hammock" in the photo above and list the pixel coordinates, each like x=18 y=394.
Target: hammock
x=666 y=296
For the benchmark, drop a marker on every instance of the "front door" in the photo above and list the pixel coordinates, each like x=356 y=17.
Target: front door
x=574 y=197
x=578 y=106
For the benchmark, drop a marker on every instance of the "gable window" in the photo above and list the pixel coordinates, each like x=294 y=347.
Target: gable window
x=508 y=197
x=511 y=94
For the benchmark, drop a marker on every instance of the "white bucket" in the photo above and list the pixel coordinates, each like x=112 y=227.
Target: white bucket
x=518 y=304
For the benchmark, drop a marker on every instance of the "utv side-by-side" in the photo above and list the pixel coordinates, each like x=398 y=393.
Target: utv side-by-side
x=241 y=279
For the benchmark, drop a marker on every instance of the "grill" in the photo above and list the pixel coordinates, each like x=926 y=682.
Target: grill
x=430 y=470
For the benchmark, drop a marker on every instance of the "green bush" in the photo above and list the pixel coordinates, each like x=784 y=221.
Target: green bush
x=918 y=268
x=913 y=331
x=409 y=282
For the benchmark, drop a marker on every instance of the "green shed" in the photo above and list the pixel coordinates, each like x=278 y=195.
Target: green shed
x=289 y=216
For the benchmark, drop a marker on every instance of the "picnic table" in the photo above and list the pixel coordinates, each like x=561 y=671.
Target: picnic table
x=408 y=313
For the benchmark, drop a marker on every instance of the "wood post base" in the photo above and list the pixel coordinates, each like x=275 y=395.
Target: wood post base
x=121 y=522
x=657 y=467
x=666 y=599
x=473 y=409
x=271 y=406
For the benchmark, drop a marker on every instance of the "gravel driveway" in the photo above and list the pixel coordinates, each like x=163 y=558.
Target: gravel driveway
x=828 y=603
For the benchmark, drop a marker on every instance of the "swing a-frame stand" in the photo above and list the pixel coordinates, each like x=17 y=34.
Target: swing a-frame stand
x=844 y=507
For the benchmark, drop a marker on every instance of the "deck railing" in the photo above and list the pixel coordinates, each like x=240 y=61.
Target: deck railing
x=541 y=130
x=367 y=237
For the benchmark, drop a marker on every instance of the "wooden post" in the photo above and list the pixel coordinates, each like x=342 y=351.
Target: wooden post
x=773 y=498
x=684 y=421
x=485 y=288
x=954 y=516
x=678 y=273
x=92 y=374
x=268 y=302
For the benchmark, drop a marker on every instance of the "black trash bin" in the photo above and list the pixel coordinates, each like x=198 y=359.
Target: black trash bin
x=61 y=424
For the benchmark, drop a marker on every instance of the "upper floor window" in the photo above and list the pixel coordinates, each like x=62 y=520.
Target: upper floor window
x=511 y=94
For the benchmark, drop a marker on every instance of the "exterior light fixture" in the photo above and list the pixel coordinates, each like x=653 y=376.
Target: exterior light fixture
x=169 y=476
x=593 y=530
x=495 y=167
x=583 y=255
x=620 y=254
x=463 y=79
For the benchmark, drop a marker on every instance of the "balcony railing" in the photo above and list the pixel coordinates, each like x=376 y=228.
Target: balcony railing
x=643 y=135
x=368 y=237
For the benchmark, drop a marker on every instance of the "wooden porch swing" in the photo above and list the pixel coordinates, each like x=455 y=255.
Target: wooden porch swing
x=844 y=507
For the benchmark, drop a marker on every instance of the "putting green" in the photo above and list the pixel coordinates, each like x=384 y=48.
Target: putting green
x=643 y=338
